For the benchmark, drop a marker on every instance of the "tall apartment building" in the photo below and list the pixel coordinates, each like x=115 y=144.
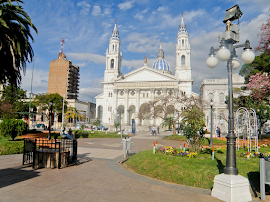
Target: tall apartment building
x=63 y=77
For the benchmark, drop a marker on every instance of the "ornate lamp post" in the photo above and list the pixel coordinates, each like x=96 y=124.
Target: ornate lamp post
x=211 y=126
x=226 y=52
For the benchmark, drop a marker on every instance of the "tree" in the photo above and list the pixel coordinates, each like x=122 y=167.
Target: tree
x=14 y=96
x=260 y=64
x=43 y=103
x=13 y=127
x=73 y=113
x=259 y=84
x=96 y=122
x=6 y=110
x=15 y=34
x=116 y=125
x=193 y=122
x=264 y=42
x=168 y=121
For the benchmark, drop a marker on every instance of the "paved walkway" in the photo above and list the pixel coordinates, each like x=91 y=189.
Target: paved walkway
x=98 y=177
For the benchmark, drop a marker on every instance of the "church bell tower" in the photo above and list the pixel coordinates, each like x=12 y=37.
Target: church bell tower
x=113 y=57
x=183 y=68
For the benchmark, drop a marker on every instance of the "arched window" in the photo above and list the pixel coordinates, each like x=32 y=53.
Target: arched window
x=221 y=98
x=183 y=43
x=112 y=63
x=183 y=61
x=115 y=47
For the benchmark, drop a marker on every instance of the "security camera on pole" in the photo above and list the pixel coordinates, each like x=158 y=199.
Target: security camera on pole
x=229 y=186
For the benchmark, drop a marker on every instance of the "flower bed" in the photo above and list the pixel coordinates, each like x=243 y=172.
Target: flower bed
x=177 y=152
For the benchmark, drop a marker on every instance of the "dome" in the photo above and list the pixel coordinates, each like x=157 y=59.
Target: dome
x=161 y=64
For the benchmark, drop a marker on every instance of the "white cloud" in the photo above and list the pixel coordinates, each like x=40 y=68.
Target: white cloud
x=125 y=6
x=85 y=7
x=140 y=43
x=107 y=11
x=99 y=59
x=96 y=11
x=40 y=81
x=160 y=8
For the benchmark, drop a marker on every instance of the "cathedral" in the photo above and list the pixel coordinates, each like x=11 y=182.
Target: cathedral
x=124 y=94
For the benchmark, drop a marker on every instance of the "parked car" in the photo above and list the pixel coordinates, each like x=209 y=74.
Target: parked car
x=40 y=125
x=102 y=128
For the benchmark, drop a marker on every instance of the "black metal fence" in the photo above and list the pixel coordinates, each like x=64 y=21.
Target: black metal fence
x=44 y=153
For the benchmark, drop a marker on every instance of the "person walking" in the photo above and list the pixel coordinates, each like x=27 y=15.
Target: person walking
x=158 y=129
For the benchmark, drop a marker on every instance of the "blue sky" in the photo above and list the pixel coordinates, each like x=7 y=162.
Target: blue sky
x=86 y=27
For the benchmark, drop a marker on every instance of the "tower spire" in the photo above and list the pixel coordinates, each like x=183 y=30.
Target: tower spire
x=115 y=33
x=160 y=52
x=182 y=27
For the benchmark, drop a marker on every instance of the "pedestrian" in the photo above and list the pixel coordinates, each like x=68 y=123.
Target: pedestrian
x=154 y=130
x=158 y=129
x=218 y=132
x=149 y=128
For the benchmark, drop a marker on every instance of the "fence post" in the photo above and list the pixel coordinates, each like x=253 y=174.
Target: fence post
x=23 y=151
x=74 y=156
x=59 y=158
x=34 y=153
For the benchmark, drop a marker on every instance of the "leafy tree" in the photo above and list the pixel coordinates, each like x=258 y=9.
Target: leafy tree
x=14 y=95
x=6 y=110
x=11 y=128
x=42 y=101
x=96 y=122
x=260 y=64
x=15 y=34
x=264 y=42
x=193 y=122
x=116 y=125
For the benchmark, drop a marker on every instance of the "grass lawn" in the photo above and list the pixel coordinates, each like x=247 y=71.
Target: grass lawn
x=205 y=143
x=96 y=134
x=195 y=172
x=10 y=147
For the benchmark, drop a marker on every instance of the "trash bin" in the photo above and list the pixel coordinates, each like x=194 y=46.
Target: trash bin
x=264 y=174
x=126 y=146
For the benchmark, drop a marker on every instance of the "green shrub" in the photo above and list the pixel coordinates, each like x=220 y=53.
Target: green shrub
x=11 y=128
x=11 y=147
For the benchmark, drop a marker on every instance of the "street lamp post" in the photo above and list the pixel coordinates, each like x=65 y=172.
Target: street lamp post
x=51 y=104
x=226 y=52
x=211 y=126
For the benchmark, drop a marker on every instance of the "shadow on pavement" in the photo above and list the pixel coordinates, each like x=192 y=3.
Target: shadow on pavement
x=9 y=176
x=81 y=158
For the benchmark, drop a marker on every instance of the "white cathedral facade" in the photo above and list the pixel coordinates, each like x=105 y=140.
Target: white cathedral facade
x=123 y=95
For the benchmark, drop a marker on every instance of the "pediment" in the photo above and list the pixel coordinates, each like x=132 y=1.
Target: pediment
x=145 y=74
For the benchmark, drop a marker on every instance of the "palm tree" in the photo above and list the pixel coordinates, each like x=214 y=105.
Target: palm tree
x=15 y=48
x=73 y=113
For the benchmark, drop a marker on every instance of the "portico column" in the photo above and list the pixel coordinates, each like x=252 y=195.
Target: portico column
x=164 y=91
x=137 y=106
x=115 y=91
x=152 y=90
x=126 y=104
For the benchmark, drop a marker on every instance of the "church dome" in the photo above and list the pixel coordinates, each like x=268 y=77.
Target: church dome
x=161 y=64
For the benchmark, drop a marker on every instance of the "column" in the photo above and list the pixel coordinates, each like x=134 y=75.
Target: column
x=137 y=106
x=115 y=91
x=152 y=90
x=164 y=91
x=126 y=104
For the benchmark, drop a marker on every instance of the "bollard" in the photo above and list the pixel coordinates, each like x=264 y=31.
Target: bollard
x=180 y=145
x=262 y=177
x=125 y=148
x=248 y=156
x=156 y=144
x=154 y=148
x=184 y=147
x=213 y=153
